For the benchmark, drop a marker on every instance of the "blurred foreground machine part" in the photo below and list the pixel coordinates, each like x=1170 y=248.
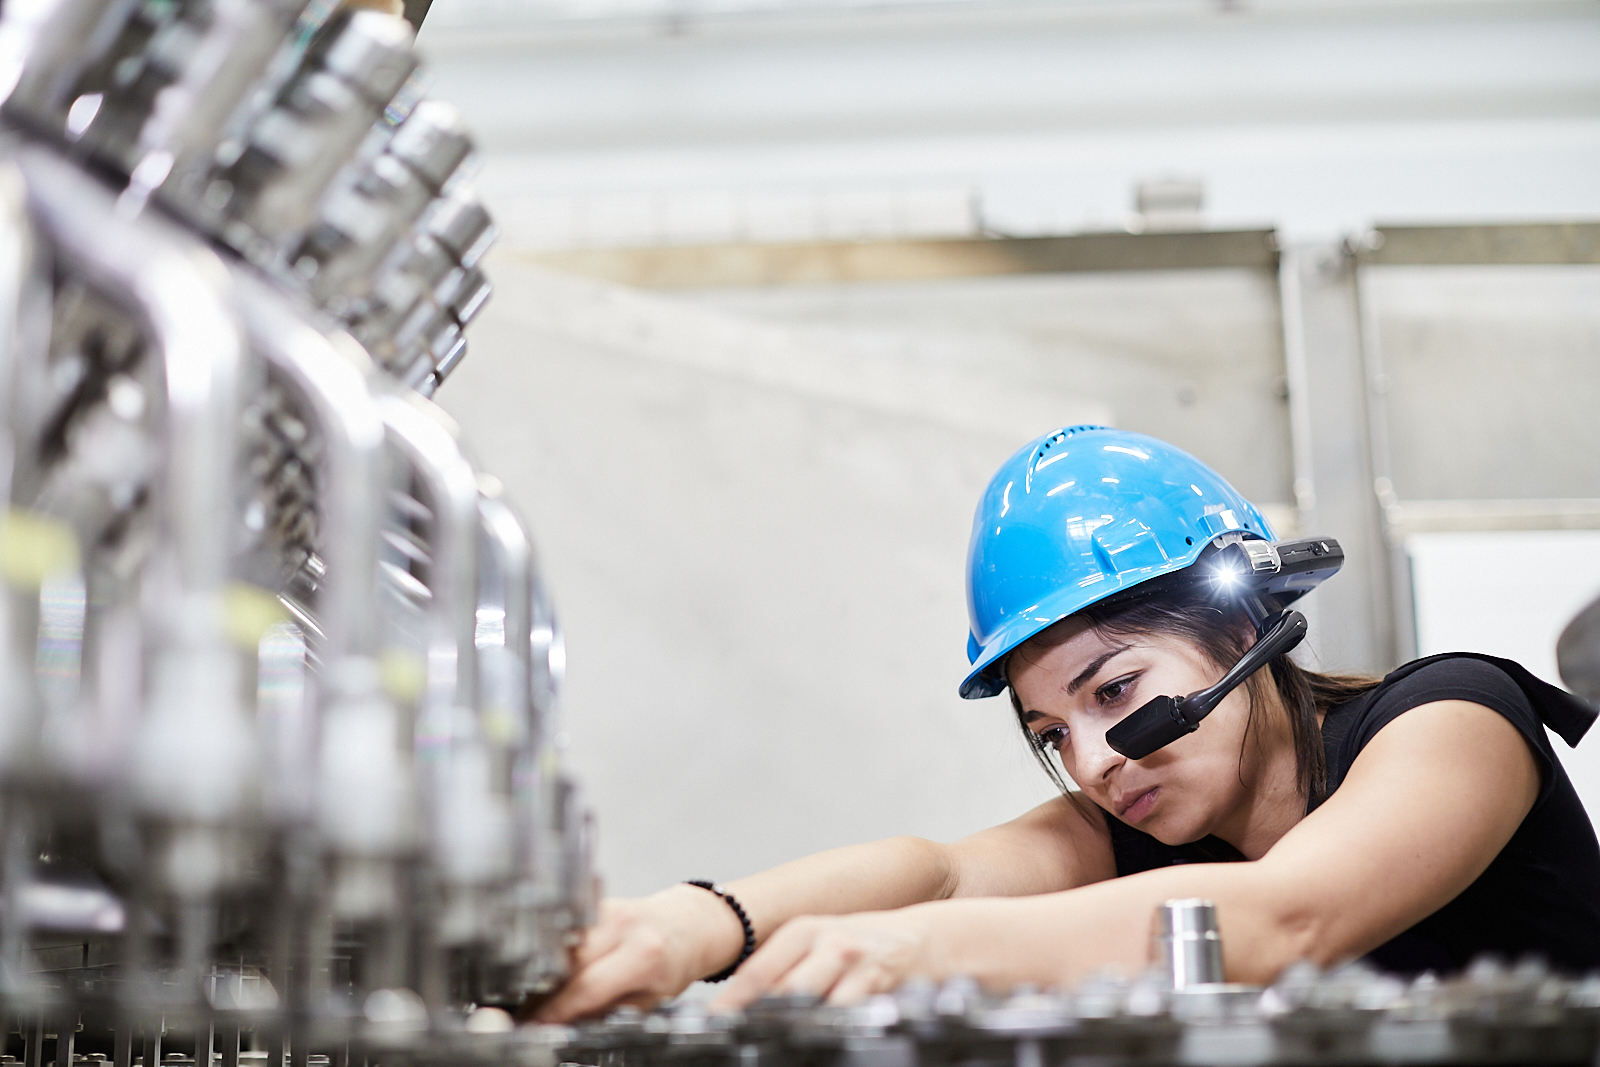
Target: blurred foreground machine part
x=1351 y=1015
x=1179 y=1012
x=1578 y=653
x=280 y=777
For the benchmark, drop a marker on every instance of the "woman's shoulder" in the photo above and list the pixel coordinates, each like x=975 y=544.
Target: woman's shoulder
x=1453 y=676
x=1501 y=685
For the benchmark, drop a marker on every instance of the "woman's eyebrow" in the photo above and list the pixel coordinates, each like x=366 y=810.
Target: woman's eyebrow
x=1032 y=716
x=1093 y=667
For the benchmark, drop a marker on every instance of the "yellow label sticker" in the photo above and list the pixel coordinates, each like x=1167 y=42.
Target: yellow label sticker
x=34 y=546
x=404 y=675
x=499 y=725
x=249 y=612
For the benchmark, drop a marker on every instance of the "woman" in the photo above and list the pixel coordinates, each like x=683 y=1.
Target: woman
x=1421 y=819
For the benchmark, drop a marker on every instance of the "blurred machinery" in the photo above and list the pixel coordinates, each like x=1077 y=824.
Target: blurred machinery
x=1578 y=653
x=1351 y=1015
x=1179 y=1012
x=279 y=774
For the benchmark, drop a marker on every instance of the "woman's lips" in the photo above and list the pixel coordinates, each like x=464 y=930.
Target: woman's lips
x=1138 y=807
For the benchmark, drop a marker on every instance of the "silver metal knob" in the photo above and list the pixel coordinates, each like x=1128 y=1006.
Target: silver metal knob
x=461 y=224
x=1187 y=943
x=371 y=52
x=433 y=142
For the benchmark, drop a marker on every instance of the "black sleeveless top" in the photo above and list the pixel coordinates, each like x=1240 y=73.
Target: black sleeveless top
x=1540 y=895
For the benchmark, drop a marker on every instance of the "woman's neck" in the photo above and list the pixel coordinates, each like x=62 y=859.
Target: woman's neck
x=1272 y=799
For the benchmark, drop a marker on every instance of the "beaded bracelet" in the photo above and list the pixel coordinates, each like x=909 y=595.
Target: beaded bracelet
x=744 y=921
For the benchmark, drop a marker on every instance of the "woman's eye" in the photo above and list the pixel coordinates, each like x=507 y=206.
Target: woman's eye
x=1052 y=737
x=1115 y=689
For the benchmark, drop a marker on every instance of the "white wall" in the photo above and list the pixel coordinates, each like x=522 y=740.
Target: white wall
x=1023 y=117
x=755 y=519
x=753 y=506
x=1510 y=593
x=756 y=549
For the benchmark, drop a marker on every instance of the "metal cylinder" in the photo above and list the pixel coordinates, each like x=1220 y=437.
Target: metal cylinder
x=1187 y=943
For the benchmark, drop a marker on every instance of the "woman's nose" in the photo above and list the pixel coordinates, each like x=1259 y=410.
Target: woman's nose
x=1093 y=758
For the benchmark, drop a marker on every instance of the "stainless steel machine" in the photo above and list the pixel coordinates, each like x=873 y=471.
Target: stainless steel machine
x=279 y=773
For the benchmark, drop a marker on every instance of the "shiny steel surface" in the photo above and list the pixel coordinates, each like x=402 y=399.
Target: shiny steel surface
x=277 y=668
x=194 y=716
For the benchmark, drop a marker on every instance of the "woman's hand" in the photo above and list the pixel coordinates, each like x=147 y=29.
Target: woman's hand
x=644 y=951
x=843 y=959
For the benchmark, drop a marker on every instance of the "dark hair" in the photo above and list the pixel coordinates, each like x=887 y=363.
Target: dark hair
x=1180 y=606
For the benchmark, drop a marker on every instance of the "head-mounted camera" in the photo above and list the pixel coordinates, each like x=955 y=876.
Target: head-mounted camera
x=1263 y=577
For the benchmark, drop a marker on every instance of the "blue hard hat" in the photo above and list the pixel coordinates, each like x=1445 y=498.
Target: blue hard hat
x=1080 y=514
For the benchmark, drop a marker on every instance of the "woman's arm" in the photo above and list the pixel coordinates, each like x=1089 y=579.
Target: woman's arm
x=644 y=950
x=1427 y=805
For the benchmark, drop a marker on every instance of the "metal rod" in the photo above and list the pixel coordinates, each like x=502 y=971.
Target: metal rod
x=1396 y=627
x=1292 y=313
x=228 y=1044
x=66 y=1032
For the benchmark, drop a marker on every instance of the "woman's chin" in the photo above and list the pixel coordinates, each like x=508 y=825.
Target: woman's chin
x=1170 y=831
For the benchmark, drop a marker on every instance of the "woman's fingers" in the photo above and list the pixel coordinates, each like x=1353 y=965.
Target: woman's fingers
x=634 y=956
x=620 y=977
x=621 y=960
x=820 y=969
x=575 y=998
x=860 y=982
x=760 y=973
x=601 y=938
x=642 y=952
x=841 y=959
